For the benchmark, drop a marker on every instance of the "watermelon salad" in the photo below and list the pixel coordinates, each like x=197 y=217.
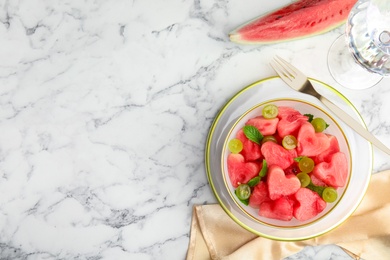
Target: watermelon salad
x=285 y=165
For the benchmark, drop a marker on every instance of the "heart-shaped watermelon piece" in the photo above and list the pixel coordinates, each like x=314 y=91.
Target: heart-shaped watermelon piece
x=251 y=150
x=259 y=195
x=280 y=184
x=275 y=154
x=308 y=204
x=327 y=154
x=241 y=171
x=290 y=120
x=281 y=209
x=311 y=143
x=335 y=172
x=264 y=125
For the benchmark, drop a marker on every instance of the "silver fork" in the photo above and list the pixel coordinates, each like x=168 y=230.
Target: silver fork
x=299 y=81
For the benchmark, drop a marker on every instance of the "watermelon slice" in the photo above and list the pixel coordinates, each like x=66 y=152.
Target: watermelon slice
x=265 y=126
x=297 y=20
x=280 y=184
x=309 y=204
x=259 y=195
x=290 y=121
x=335 y=172
x=251 y=150
x=281 y=209
x=311 y=143
x=241 y=171
x=275 y=154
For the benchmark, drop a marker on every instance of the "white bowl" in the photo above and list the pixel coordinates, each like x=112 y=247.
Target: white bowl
x=247 y=104
x=305 y=108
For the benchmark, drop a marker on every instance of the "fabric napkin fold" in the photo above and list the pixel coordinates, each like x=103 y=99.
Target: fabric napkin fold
x=365 y=234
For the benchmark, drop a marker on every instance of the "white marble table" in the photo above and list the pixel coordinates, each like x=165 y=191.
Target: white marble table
x=105 y=109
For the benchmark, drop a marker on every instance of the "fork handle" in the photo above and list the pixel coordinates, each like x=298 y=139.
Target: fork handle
x=354 y=125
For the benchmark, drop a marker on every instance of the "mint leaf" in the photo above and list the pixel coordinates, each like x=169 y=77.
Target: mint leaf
x=252 y=133
x=264 y=169
x=254 y=181
x=318 y=189
x=245 y=202
x=310 y=117
x=297 y=159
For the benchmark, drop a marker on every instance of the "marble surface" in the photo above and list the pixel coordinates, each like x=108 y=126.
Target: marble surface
x=104 y=111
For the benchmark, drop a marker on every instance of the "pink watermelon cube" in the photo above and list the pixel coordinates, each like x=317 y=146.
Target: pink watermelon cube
x=311 y=143
x=240 y=171
x=327 y=154
x=281 y=209
x=280 y=184
x=251 y=150
x=259 y=195
x=308 y=204
x=290 y=120
x=275 y=154
x=333 y=173
x=265 y=126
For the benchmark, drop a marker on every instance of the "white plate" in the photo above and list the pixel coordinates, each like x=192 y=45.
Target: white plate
x=261 y=92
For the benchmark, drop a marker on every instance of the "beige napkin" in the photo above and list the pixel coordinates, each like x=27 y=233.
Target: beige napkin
x=366 y=234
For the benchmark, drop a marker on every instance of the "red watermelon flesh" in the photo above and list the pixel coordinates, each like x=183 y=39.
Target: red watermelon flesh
x=259 y=195
x=290 y=120
x=299 y=19
x=293 y=169
x=311 y=143
x=309 y=204
x=326 y=155
x=293 y=152
x=241 y=171
x=281 y=209
x=317 y=181
x=265 y=126
x=280 y=184
x=275 y=154
x=251 y=150
x=278 y=138
x=333 y=173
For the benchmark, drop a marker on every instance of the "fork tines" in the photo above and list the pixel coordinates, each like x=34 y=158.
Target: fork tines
x=287 y=72
x=283 y=67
